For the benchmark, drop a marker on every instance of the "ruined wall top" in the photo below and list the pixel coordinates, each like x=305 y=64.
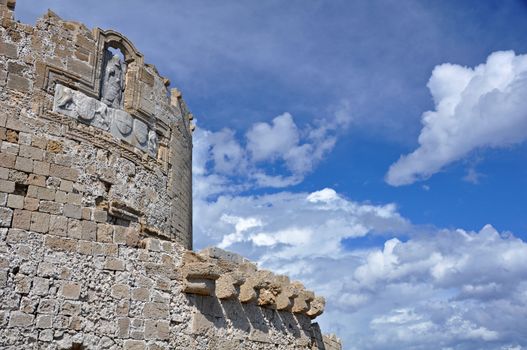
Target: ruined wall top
x=96 y=84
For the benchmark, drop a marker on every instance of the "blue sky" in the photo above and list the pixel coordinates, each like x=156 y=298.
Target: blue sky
x=304 y=109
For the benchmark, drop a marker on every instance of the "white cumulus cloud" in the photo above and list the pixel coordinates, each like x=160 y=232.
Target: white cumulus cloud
x=280 y=144
x=481 y=107
x=439 y=289
x=388 y=283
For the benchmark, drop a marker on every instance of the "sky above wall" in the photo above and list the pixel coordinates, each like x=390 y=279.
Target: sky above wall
x=373 y=149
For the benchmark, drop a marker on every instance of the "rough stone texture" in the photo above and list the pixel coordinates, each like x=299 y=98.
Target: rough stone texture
x=95 y=210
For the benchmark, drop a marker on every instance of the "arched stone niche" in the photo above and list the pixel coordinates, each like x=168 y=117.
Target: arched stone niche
x=111 y=38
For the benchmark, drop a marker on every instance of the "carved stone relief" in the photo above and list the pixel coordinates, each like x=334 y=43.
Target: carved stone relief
x=122 y=125
x=112 y=87
x=81 y=107
x=93 y=112
x=153 y=143
x=140 y=133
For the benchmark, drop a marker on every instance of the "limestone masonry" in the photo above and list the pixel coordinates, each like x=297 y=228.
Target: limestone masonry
x=96 y=210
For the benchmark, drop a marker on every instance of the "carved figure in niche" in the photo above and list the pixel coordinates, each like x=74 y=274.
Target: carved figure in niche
x=123 y=122
x=140 y=132
x=113 y=81
x=152 y=143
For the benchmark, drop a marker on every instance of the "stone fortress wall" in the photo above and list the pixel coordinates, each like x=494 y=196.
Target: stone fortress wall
x=95 y=210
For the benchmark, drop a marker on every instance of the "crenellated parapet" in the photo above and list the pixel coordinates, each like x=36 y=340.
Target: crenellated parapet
x=227 y=276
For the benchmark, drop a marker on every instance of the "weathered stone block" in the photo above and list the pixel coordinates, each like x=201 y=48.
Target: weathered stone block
x=105 y=249
x=86 y=213
x=120 y=291
x=4 y=173
x=7 y=186
x=123 y=327
x=19 y=177
x=44 y=321
x=41 y=192
x=80 y=67
x=157 y=330
x=16 y=123
x=24 y=164
x=41 y=168
x=59 y=243
x=61 y=322
x=47 y=306
x=61 y=197
x=64 y=172
x=72 y=211
x=46 y=335
x=156 y=310
x=6 y=215
x=31 y=204
x=50 y=207
x=40 y=286
x=16 y=236
x=66 y=186
x=31 y=152
x=18 y=82
x=114 y=264
x=70 y=308
x=134 y=344
x=100 y=215
x=8 y=50
x=3 y=278
x=126 y=235
x=22 y=219
x=71 y=290
x=74 y=228
x=85 y=248
x=7 y=160
x=199 y=286
x=15 y=201
x=39 y=222
x=20 y=319
x=76 y=199
x=89 y=230
x=39 y=142
x=36 y=180
x=24 y=139
x=104 y=233
x=58 y=225
x=141 y=294
x=10 y=146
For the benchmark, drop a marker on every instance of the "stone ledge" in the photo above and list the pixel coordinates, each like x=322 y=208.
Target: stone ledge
x=225 y=275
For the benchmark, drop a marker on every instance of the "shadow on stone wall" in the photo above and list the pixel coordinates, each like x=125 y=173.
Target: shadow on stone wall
x=254 y=322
